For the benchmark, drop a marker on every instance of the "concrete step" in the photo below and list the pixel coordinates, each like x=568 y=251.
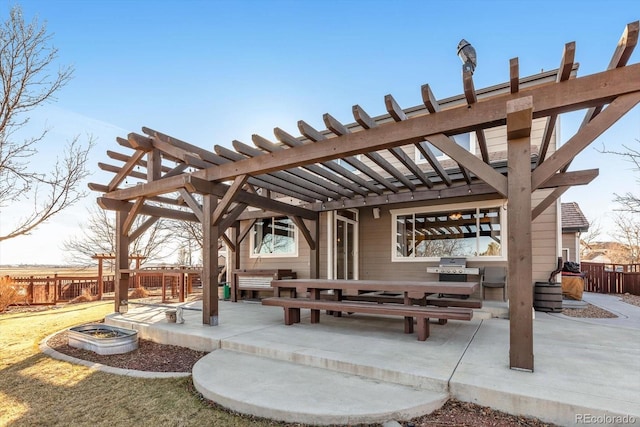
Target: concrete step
x=295 y=393
x=352 y=346
x=491 y=309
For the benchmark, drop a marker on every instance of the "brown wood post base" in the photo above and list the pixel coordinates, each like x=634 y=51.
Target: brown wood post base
x=408 y=325
x=423 y=328
x=291 y=315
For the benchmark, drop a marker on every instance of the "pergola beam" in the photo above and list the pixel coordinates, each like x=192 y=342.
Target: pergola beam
x=133 y=213
x=268 y=146
x=302 y=227
x=514 y=75
x=231 y=217
x=143 y=227
x=332 y=190
x=192 y=203
x=469 y=161
x=564 y=72
x=308 y=131
x=585 y=136
x=156 y=211
x=398 y=115
x=471 y=97
x=366 y=122
x=621 y=55
x=291 y=141
x=125 y=170
x=445 y=194
x=206 y=187
x=283 y=179
x=572 y=95
x=229 y=197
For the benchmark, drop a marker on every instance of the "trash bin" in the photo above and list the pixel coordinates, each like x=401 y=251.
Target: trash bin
x=547 y=297
x=224 y=291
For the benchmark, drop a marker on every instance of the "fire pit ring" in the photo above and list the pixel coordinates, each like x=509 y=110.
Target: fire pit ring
x=103 y=339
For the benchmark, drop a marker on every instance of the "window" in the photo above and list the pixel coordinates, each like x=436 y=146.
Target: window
x=275 y=237
x=465 y=140
x=426 y=235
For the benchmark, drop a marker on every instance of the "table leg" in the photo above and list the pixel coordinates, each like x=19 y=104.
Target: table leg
x=338 y=294
x=314 y=294
x=408 y=325
x=423 y=328
x=408 y=321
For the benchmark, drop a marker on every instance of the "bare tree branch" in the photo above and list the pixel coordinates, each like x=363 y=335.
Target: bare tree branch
x=26 y=58
x=98 y=236
x=629 y=202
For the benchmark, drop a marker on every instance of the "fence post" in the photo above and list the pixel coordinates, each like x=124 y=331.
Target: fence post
x=30 y=291
x=100 y=281
x=56 y=288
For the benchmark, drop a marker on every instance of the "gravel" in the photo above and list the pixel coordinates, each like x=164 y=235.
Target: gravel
x=590 y=311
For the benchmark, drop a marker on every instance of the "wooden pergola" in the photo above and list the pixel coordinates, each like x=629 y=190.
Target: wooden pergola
x=299 y=177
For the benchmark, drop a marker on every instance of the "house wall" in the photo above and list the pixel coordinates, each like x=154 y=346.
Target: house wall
x=570 y=241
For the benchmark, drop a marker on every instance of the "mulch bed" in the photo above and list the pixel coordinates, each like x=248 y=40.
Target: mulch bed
x=465 y=414
x=149 y=356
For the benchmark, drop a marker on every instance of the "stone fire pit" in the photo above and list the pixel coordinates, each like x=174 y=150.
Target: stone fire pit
x=103 y=339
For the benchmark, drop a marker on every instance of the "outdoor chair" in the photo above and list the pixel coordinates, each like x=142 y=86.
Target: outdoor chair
x=494 y=277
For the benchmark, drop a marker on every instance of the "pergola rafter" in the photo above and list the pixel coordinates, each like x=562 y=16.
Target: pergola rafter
x=301 y=176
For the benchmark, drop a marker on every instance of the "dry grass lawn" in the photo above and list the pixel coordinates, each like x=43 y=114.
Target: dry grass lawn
x=38 y=390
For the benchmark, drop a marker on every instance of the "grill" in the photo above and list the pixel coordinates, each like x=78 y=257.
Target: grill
x=453 y=269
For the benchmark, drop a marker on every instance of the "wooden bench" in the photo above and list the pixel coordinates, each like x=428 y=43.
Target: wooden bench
x=453 y=302
x=255 y=281
x=388 y=297
x=422 y=314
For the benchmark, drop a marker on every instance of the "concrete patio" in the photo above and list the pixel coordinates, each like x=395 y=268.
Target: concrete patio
x=363 y=369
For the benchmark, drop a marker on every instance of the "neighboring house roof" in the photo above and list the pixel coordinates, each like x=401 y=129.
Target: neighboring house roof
x=573 y=220
x=597 y=256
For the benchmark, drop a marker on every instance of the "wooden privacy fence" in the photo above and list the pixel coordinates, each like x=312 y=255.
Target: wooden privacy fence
x=54 y=289
x=45 y=290
x=611 y=278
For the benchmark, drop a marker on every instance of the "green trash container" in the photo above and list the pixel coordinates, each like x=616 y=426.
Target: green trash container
x=227 y=291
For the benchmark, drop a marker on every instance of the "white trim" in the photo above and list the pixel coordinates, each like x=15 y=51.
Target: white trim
x=568 y=252
x=497 y=203
x=334 y=242
x=287 y=255
x=330 y=239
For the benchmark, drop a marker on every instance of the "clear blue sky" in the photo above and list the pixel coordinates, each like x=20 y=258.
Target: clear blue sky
x=209 y=72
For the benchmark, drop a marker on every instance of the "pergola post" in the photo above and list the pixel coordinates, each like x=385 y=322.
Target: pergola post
x=314 y=255
x=210 y=233
x=122 y=260
x=520 y=275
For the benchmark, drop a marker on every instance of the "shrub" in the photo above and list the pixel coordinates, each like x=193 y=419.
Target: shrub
x=84 y=297
x=138 y=293
x=8 y=293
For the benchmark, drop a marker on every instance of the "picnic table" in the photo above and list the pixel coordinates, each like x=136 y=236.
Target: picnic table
x=344 y=291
